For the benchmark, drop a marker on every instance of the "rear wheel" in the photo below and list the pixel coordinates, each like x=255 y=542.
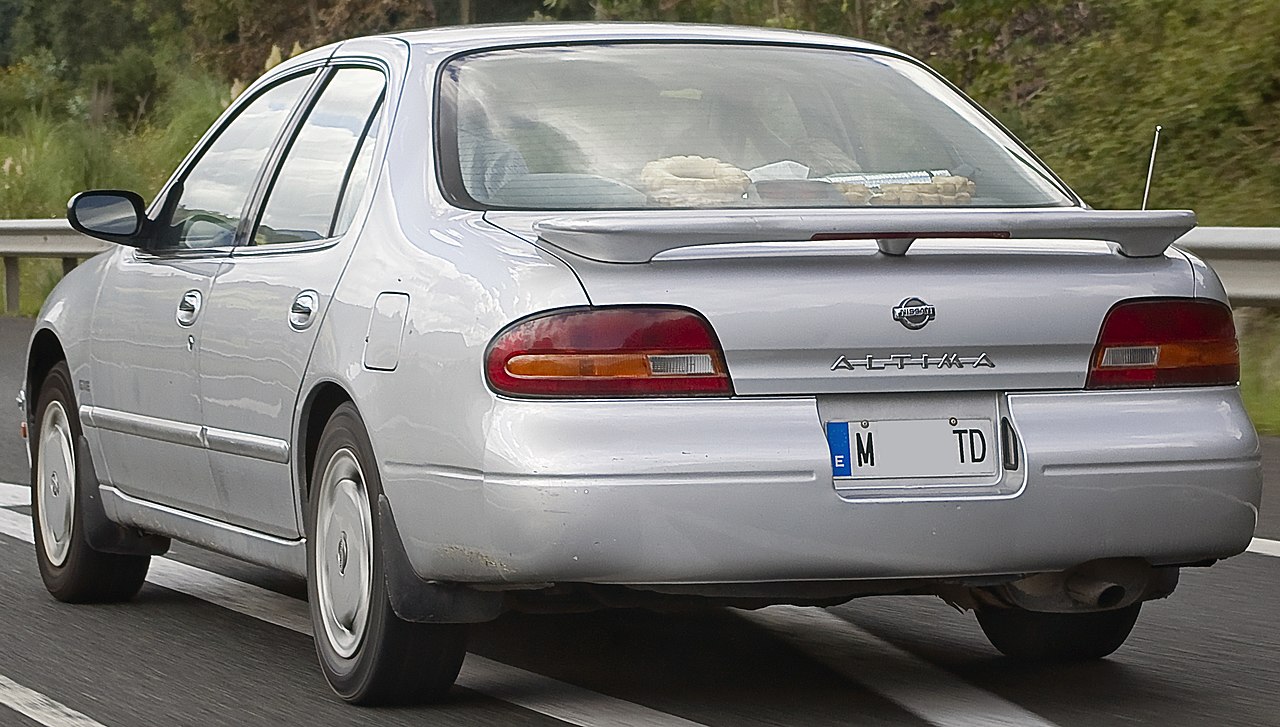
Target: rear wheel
x=72 y=571
x=1035 y=636
x=368 y=654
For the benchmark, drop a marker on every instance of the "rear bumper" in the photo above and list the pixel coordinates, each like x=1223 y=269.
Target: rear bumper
x=740 y=490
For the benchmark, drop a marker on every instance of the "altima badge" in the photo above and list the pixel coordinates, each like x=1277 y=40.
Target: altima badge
x=901 y=361
x=913 y=313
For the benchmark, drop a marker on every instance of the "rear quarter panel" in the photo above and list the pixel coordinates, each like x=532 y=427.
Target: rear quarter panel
x=429 y=418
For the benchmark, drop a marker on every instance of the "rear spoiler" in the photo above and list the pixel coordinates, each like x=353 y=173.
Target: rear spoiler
x=636 y=237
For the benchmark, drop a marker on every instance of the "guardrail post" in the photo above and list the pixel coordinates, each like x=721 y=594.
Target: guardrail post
x=11 y=285
x=69 y=264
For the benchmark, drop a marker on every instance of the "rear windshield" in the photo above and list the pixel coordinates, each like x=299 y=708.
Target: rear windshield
x=632 y=126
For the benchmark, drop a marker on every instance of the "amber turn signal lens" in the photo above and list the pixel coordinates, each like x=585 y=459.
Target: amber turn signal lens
x=581 y=365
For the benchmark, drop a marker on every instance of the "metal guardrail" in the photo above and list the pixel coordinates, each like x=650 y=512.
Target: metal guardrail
x=1246 y=258
x=40 y=238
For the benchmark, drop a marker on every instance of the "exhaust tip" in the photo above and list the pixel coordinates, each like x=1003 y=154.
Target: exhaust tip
x=1111 y=596
x=1096 y=593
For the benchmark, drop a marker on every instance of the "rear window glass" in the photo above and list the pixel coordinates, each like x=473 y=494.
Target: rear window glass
x=648 y=125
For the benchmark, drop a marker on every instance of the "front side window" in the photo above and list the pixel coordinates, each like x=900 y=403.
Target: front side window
x=216 y=187
x=319 y=170
x=651 y=125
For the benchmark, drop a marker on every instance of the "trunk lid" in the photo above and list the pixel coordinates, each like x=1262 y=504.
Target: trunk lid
x=840 y=316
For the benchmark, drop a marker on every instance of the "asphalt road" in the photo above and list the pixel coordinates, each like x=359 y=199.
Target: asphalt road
x=210 y=641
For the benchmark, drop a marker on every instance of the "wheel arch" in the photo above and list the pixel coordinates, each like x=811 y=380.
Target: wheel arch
x=43 y=354
x=321 y=401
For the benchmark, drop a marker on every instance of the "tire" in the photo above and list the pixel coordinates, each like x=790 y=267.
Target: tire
x=72 y=571
x=368 y=654
x=1033 y=636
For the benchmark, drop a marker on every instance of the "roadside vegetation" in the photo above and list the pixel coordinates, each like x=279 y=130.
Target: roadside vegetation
x=1260 y=366
x=114 y=93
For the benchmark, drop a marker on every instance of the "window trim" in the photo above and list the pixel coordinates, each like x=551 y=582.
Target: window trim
x=160 y=206
x=375 y=117
x=266 y=182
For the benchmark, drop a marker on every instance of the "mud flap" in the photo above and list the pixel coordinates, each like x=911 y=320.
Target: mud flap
x=422 y=601
x=102 y=534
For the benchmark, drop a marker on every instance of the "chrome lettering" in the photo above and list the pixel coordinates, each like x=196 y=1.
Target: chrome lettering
x=915 y=310
x=900 y=362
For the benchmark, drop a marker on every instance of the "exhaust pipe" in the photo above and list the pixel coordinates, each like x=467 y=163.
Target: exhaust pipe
x=1095 y=593
x=1098 y=585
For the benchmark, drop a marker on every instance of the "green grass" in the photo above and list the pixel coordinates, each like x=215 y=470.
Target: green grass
x=36 y=278
x=45 y=159
x=1260 y=366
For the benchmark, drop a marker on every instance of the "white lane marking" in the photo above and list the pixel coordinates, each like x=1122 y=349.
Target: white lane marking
x=547 y=696
x=231 y=594
x=554 y=698
x=40 y=708
x=1262 y=546
x=14 y=495
x=921 y=688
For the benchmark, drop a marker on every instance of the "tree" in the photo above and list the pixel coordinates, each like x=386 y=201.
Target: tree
x=238 y=35
x=9 y=10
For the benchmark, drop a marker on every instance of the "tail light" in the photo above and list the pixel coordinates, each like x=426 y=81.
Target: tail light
x=584 y=352
x=1165 y=342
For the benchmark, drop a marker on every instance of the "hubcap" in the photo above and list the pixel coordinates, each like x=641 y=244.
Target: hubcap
x=55 y=486
x=344 y=553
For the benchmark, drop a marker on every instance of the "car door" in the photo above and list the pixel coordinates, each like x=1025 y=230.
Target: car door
x=261 y=319
x=145 y=392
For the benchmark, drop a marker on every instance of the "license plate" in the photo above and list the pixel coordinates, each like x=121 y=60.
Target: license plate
x=912 y=448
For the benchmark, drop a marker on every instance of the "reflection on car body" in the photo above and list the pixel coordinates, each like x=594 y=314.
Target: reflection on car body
x=544 y=317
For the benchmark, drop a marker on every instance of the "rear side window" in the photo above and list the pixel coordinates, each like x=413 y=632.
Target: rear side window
x=216 y=187
x=320 y=168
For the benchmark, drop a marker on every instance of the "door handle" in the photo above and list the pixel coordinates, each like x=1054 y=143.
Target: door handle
x=189 y=307
x=303 y=309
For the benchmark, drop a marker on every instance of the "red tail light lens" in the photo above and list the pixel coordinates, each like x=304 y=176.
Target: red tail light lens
x=585 y=352
x=1165 y=342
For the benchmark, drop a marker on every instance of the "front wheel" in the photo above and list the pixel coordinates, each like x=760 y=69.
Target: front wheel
x=1035 y=636
x=368 y=654
x=71 y=569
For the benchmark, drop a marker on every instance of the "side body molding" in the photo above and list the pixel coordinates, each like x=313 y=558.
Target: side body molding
x=192 y=435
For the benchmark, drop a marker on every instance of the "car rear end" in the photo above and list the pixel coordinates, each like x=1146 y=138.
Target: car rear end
x=902 y=356
x=1013 y=433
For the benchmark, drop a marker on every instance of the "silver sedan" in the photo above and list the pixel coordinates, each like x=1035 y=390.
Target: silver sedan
x=561 y=317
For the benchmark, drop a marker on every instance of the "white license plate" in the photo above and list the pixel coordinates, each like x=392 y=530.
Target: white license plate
x=912 y=448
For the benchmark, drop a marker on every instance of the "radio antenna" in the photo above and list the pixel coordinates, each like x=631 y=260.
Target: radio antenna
x=1151 y=166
